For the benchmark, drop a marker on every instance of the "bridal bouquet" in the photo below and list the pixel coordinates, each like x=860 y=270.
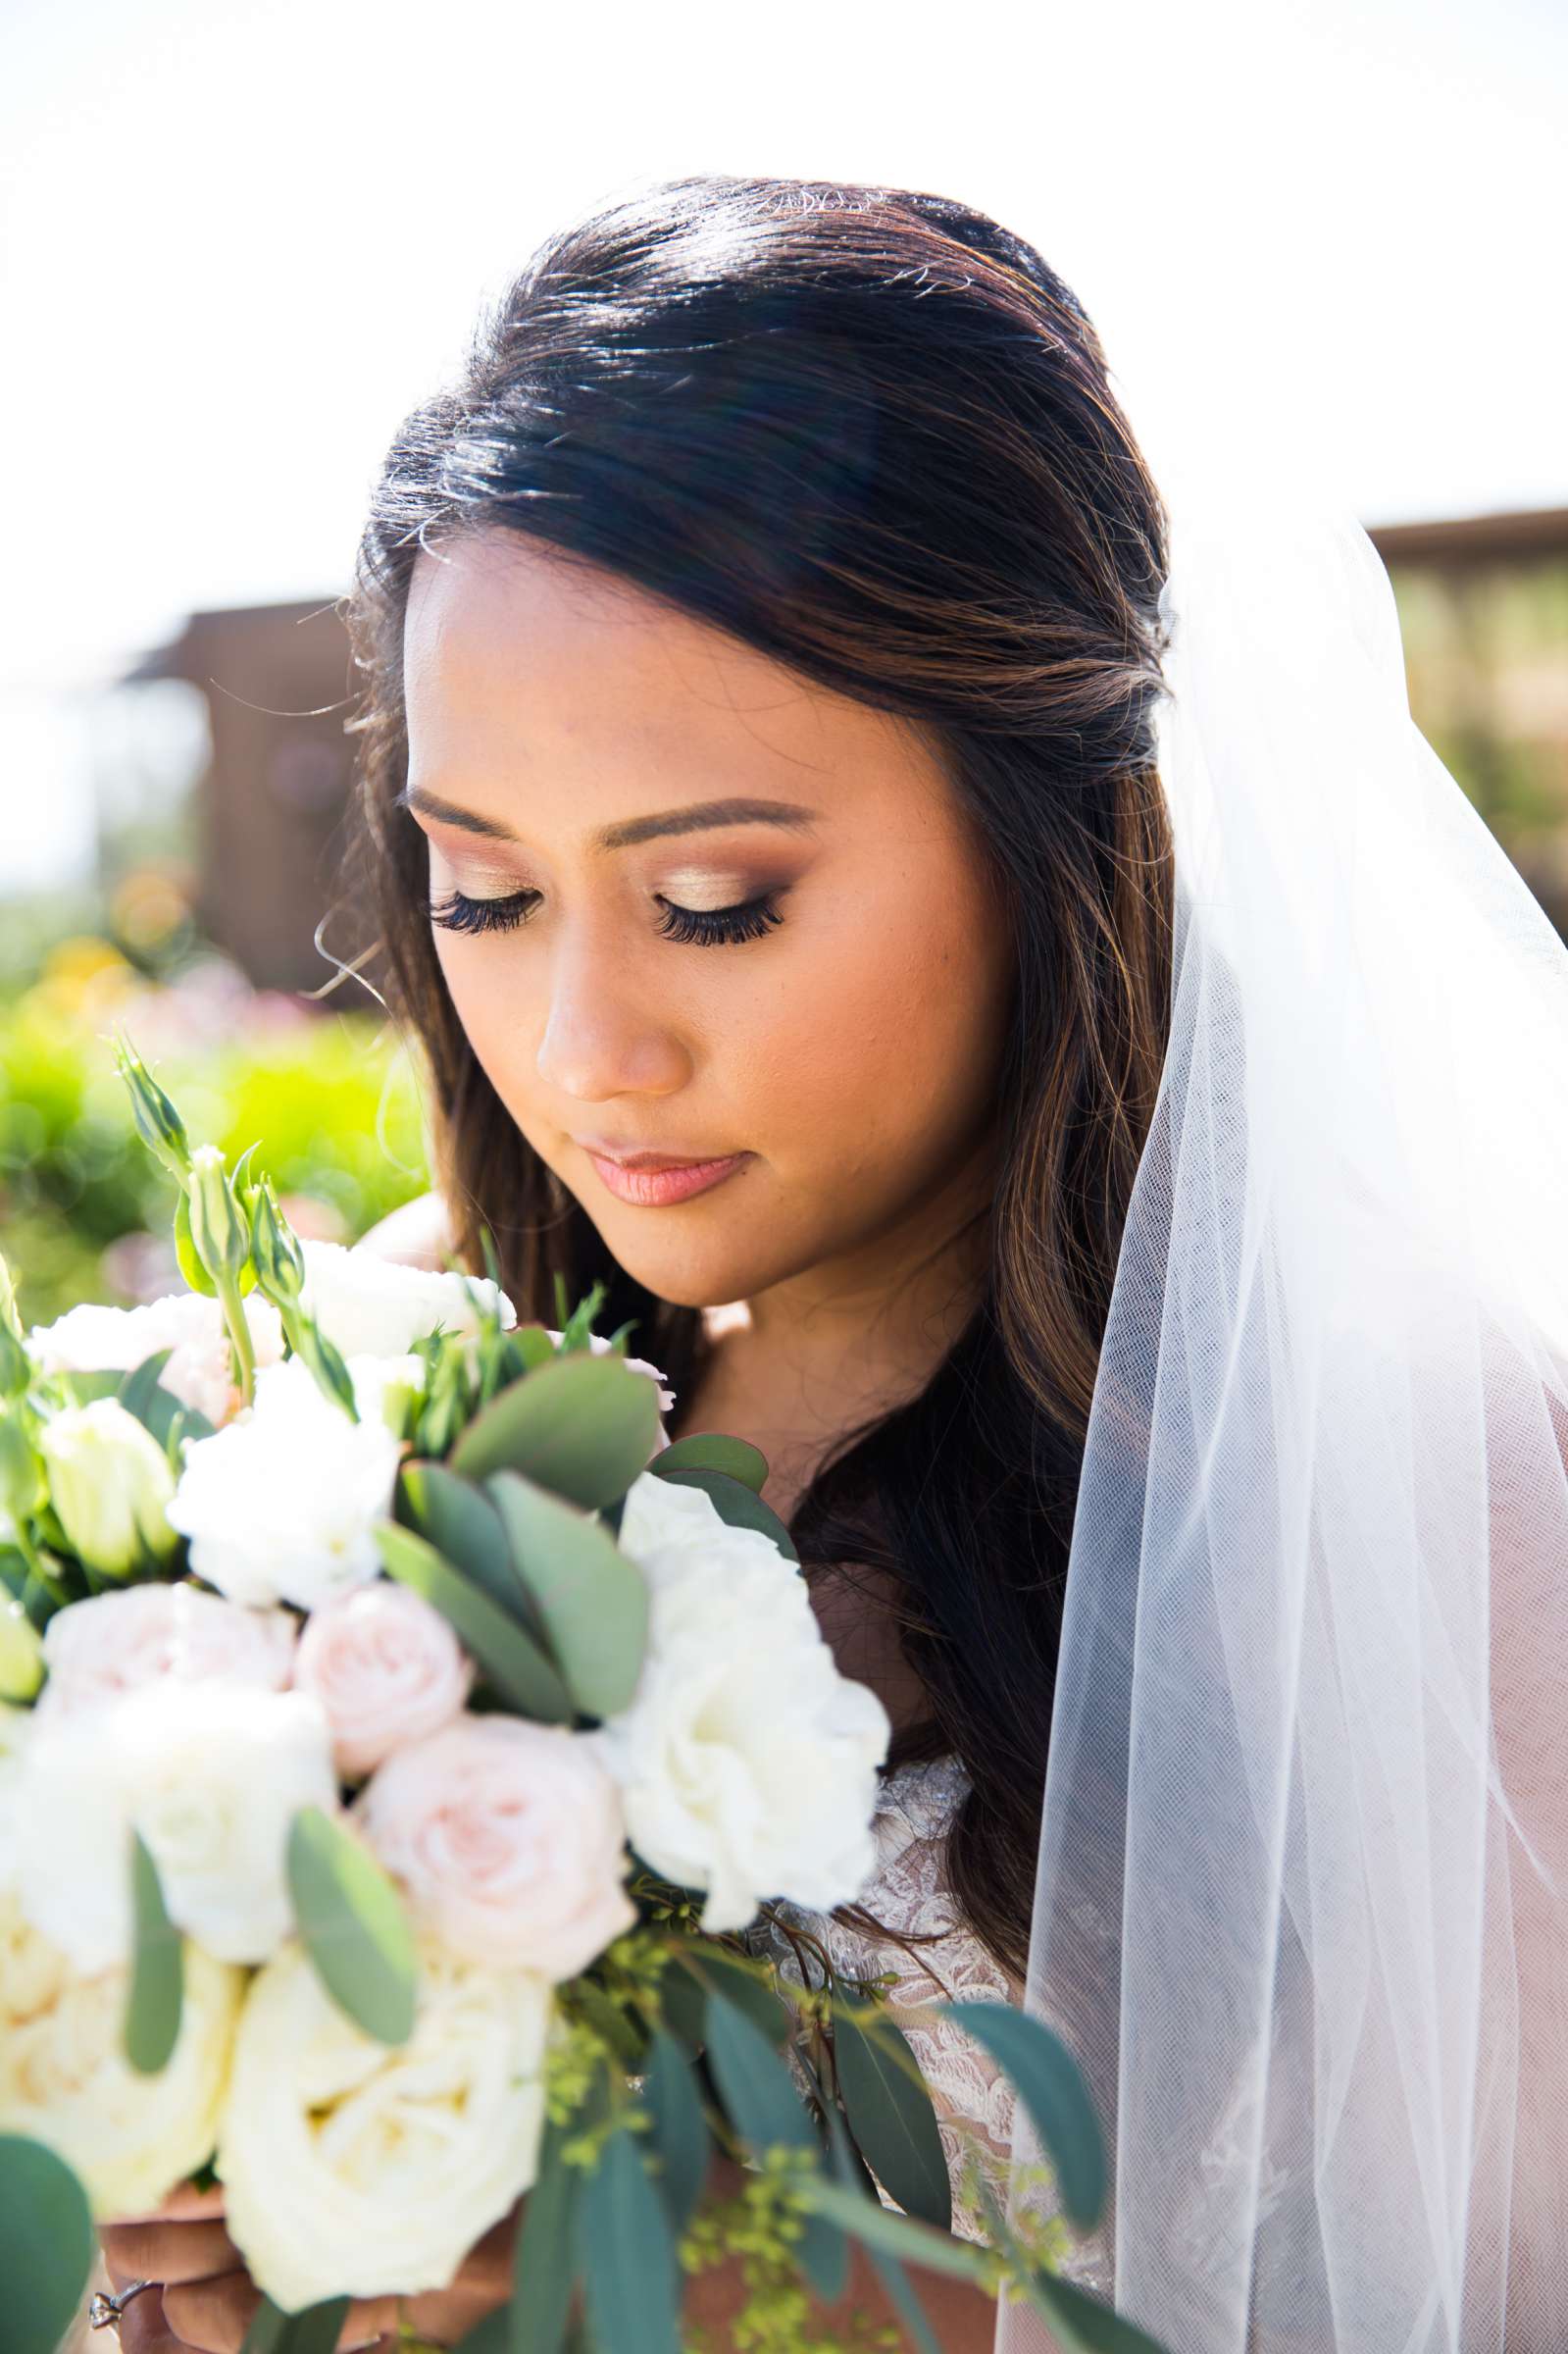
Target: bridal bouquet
x=397 y=1732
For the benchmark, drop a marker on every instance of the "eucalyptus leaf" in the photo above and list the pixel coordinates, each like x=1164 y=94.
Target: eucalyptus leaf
x=592 y=1597
x=463 y=1524
x=156 y=1408
x=532 y=1343
x=681 y=2133
x=1049 y=2084
x=756 y=2088
x=351 y=1921
x=510 y=1658
x=736 y=1503
x=582 y=1426
x=712 y=1966
x=157 y=1970
x=901 y=2235
x=888 y=2267
x=1096 y=2329
x=626 y=2255
x=47 y=2245
x=890 y=2109
x=544 y=2266
x=1081 y=2323
x=714 y=1450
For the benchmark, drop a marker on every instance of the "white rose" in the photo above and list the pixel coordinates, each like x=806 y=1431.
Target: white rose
x=354 y=2167
x=211 y=1774
x=373 y=1307
x=64 y=2080
x=385 y=1667
x=91 y=1339
x=279 y=1505
x=98 y=1649
x=509 y=1840
x=747 y=1762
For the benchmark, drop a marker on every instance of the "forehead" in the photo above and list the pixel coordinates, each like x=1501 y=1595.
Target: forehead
x=515 y=652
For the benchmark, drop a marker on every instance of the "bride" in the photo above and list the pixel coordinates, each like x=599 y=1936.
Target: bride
x=773 y=851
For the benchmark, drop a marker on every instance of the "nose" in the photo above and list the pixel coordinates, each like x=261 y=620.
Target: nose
x=601 y=1035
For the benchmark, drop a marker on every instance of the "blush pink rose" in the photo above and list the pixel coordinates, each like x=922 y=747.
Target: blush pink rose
x=385 y=1667
x=109 y=1644
x=509 y=1840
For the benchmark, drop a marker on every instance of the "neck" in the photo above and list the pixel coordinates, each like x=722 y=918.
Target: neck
x=858 y=1334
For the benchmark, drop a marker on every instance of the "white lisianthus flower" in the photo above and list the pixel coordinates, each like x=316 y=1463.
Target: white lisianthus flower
x=351 y=2166
x=110 y=1484
x=16 y=1728
x=107 y=1645
x=211 y=1774
x=279 y=1504
x=385 y=1387
x=91 y=1339
x=509 y=1840
x=373 y=1307
x=747 y=1763
x=64 y=2080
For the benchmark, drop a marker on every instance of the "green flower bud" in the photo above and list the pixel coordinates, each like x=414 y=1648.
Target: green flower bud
x=219 y=1232
x=8 y=1301
x=110 y=1484
x=21 y=1481
x=158 y=1123
x=16 y=1366
x=20 y=1653
x=275 y=1249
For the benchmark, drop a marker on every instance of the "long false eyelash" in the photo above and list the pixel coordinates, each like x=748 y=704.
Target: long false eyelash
x=699 y=926
x=459 y=913
x=703 y=927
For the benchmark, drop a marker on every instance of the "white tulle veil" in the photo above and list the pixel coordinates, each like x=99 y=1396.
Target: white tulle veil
x=1302 y=1902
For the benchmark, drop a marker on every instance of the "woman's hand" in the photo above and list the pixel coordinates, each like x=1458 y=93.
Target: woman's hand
x=207 y=2300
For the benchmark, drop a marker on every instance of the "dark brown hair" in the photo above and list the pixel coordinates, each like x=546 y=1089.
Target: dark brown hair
x=870 y=432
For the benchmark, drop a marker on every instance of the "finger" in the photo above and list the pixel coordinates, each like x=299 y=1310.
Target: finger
x=184 y=2204
x=168 y=2251
x=143 y=2327
x=215 y=2314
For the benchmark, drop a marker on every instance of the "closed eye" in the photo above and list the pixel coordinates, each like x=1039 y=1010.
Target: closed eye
x=701 y=927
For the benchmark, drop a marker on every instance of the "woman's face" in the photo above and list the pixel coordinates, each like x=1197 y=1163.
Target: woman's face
x=599 y=778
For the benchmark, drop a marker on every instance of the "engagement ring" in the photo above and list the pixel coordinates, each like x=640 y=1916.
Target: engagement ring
x=106 y=2309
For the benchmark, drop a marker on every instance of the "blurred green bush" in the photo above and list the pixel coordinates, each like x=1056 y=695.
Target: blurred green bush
x=86 y=1211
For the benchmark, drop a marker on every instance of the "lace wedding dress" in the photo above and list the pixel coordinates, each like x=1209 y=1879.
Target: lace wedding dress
x=908 y=1892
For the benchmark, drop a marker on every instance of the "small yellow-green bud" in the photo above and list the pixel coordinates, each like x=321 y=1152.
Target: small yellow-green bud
x=275 y=1247
x=217 y=1229
x=21 y=1653
x=158 y=1123
x=110 y=1484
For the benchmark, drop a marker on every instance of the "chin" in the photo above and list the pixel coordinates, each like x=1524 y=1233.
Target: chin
x=695 y=1271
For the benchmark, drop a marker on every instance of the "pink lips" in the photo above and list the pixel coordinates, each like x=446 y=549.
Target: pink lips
x=677 y=1181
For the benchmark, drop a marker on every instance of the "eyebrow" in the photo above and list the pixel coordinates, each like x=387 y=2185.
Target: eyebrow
x=695 y=819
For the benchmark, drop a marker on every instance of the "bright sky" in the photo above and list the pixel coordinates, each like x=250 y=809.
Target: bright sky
x=242 y=240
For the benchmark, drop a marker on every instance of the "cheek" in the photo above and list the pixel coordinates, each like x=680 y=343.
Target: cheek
x=894 y=1028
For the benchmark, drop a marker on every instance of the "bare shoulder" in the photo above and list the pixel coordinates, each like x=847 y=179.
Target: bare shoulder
x=416 y=1234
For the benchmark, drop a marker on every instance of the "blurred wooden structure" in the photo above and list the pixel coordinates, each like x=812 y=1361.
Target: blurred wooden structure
x=278 y=685
x=1483 y=608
